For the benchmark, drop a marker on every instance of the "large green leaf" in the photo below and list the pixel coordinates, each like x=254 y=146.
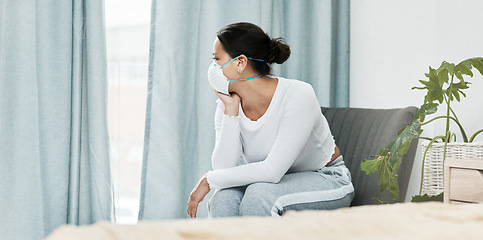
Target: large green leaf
x=403 y=150
x=434 y=87
x=384 y=174
x=371 y=166
x=393 y=186
x=463 y=68
x=390 y=158
x=424 y=110
x=386 y=177
x=400 y=144
x=442 y=75
x=446 y=66
x=454 y=89
x=477 y=63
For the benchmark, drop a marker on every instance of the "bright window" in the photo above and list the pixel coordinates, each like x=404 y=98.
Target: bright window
x=127 y=36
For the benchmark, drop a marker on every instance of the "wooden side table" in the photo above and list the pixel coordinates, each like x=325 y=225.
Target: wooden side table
x=463 y=180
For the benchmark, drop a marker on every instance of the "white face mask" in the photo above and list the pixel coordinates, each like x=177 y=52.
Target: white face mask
x=219 y=81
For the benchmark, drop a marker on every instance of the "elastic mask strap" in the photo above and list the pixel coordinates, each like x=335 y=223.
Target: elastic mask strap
x=255 y=59
x=228 y=62
x=244 y=78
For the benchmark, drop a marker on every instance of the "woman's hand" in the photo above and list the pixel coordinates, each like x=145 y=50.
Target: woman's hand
x=197 y=195
x=231 y=102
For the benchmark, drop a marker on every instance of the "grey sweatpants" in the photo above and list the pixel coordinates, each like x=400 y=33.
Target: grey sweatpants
x=328 y=188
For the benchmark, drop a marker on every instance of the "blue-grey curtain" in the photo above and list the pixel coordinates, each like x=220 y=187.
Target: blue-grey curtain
x=179 y=135
x=54 y=147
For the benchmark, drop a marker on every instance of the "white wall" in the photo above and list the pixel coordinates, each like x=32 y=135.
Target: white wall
x=394 y=42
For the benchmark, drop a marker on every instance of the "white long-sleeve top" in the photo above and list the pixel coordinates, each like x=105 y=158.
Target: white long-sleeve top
x=291 y=136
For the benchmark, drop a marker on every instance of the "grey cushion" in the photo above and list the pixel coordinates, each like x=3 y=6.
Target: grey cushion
x=360 y=133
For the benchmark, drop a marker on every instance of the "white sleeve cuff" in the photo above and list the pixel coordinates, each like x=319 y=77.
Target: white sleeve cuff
x=227 y=118
x=210 y=181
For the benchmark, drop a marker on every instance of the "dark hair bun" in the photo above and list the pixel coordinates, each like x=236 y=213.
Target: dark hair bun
x=250 y=40
x=279 y=51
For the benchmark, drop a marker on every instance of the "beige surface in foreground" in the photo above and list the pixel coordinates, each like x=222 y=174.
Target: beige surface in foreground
x=397 y=221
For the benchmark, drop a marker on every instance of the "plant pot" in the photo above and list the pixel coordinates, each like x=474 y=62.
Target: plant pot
x=433 y=165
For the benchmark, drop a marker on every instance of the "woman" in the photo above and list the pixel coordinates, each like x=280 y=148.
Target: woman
x=274 y=150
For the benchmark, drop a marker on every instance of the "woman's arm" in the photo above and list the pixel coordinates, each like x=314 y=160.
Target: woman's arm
x=227 y=150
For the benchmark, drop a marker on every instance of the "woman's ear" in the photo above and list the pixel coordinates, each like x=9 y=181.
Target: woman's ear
x=242 y=62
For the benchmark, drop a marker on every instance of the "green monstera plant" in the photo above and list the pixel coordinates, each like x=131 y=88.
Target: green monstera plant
x=441 y=86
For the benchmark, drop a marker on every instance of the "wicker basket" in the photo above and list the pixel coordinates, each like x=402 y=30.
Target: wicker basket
x=433 y=165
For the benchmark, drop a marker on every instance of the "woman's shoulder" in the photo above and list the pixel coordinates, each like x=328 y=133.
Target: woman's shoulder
x=297 y=87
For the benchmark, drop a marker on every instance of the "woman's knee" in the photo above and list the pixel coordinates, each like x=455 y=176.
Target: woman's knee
x=225 y=203
x=258 y=200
